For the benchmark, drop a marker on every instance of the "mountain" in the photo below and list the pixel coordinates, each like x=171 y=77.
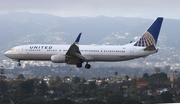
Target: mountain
x=20 y=28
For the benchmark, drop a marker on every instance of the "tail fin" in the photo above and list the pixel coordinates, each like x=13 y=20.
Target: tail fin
x=78 y=38
x=150 y=37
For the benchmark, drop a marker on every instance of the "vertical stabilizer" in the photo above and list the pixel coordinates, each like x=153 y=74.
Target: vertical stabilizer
x=150 y=37
x=78 y=38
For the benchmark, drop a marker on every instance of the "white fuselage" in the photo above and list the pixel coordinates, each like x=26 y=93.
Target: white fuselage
x=106 y=53
x=77 y=54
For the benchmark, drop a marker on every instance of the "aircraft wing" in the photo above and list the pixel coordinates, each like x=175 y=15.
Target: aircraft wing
x=73 y=54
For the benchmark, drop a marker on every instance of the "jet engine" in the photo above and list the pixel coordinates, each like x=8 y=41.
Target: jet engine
x=58 y=58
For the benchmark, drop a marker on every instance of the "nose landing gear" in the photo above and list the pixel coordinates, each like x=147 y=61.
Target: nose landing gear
x=19 y=63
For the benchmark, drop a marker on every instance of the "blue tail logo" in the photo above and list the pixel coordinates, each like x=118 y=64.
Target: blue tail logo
x=150 y=37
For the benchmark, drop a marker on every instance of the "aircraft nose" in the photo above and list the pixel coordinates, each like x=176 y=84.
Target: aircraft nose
x=6 y=53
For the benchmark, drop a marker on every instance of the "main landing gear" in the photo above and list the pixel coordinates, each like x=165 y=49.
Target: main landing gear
x=79 y=65
x=87 y=66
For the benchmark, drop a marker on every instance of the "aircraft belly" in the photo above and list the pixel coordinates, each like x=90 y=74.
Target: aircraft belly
x=109 y=58
x=36 y=56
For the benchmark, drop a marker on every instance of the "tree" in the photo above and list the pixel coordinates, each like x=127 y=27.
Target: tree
x=4 y=100
x=60 y=101
x=64 y=87
x=130 y=100
x=31 y=100
x=91 y=86
x=26 y=86
x=20 y=77
x=127 y=77
x=177 y=82
x=146 y=75
x=25 y=102
x=75 y=79
x=54 y=80
x=159 y=77
x=35 y=100
x=65 y=101
x=115 y=73
x=3 y=84
x=2 y=77
x=116 y=98
x=158 y=80
x=3 y=87
x=81 y=88
x=57 y=79
x=93 y=102
x=83 y=80
x=166 y=97
x=157 y=70
x=42 y=87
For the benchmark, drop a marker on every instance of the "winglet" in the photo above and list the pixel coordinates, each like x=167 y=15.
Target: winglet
x=78 y=38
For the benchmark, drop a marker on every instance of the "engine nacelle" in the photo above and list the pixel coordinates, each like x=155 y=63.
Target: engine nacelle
x=58 y=58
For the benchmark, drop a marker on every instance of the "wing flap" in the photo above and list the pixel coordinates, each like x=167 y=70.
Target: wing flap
x=78 y=55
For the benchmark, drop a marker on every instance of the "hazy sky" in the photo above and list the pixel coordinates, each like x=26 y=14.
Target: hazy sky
x=66 y=8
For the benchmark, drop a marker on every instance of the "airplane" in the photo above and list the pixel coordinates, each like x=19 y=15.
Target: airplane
x=76 y=54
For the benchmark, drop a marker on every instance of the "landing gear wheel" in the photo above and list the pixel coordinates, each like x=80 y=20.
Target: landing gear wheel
x=79 y=65
x=87 y=66
x=19 y=64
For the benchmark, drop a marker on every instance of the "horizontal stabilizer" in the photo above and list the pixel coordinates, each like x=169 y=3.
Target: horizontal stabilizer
x=150 y=48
